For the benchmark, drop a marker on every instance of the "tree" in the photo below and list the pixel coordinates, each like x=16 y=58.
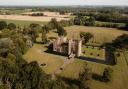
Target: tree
x=18 y=86
x=65 y=23
x=107 y=74
x=34 y=25
x=82 y=20
x=59 y=84
x=46 y=28
x=37 y=14
x=44 y=36
x=85 y=36
x=121 y=41
x=3 y=25
x=54 y=23
x=126 y=26
x=84 y=78
x=61 y=31
x=34 y=31
x=11 y=26
x=79 y=20
x=89 y=21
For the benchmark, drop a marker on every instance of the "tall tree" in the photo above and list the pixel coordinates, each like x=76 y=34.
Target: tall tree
x=34 y=31
x=44 y=36
x=85 y=36
x=61 y=31
x=3 y=25
x=84 y=78
x=11 y=26
x=126 y=26
x=121 y=41
x=54 y=23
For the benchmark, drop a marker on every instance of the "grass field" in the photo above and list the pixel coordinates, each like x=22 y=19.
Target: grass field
x=119 y=77
x=119 y=24
x=32 y=18
x=120 y=71
x=93 y=52
x=101 y=34
x=36 y=53
x=23 y=23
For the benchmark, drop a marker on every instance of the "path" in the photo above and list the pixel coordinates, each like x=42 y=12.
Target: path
x=67 y=61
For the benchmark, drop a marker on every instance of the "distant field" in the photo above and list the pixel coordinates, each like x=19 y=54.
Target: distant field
x=50 y=14
x=23 y=23
x=31 y=18
x=119 y=24
x=12 y=11
x=120 y=71
x=101 y=34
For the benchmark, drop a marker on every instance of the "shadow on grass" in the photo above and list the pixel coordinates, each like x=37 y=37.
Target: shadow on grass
x=100 y=78
x=38 y=42
x=56 y=53
x=52 y=38
x=93 y=59
x=97 y=77
x=69 y=80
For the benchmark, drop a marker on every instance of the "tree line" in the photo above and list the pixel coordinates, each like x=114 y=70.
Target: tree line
x=16 y=73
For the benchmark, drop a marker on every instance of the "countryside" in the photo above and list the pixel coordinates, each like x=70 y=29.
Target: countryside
x=63 y=47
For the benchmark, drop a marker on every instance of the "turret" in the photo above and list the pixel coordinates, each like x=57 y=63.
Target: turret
x=79 y=48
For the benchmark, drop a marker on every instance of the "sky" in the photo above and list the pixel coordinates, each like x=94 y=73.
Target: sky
x=64 y=2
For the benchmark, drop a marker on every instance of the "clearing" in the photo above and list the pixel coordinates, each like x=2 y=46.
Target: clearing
x=72 y=70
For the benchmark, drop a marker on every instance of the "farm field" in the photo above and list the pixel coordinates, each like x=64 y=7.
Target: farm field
x=22 y=23
x=31 y=18
x=49 y=14
x=101 y=34
x=53 y=62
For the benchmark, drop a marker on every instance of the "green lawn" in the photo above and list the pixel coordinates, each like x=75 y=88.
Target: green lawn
x=94 y=52
x=101 y=34
x=23 y=23
x=120 y=71
x=36 y=53
x=119 y=77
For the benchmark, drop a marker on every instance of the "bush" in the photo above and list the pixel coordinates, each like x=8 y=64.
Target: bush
x=3 y=25
x=91 y=53
x=11 y=26
x=107 y=74
x=106 y=77
x=37 y=14
x=118 y=55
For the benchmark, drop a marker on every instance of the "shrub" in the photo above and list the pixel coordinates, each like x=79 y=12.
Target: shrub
x=107 y=74
x=91 y=53
x=106 y=77
x=98 y=54
x=3 y=25
x=11 y=26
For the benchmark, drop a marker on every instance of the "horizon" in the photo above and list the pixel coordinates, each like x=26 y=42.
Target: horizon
x=64 y=3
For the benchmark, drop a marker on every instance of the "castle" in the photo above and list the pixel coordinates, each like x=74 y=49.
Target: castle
x=66 y=46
